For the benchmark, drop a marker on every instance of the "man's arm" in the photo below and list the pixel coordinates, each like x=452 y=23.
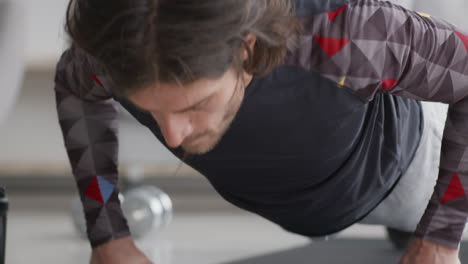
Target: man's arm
x=371 y=47
x=87 y=115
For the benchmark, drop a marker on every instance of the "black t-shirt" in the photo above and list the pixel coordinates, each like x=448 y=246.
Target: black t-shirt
x=307 y=154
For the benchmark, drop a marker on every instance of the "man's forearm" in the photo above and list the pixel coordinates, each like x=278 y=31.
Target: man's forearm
x=446 y=214
x=87 y=116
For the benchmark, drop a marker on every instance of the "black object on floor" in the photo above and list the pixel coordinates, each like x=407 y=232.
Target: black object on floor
x=338 y=251
x=3 y=222
x=398 y=238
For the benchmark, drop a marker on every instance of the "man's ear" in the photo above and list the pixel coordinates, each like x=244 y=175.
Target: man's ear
x=251 y=40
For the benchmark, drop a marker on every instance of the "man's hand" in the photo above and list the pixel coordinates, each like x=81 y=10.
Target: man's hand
x=119 y=251
x=420 y=251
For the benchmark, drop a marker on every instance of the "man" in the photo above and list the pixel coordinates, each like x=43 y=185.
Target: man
x=305 y=112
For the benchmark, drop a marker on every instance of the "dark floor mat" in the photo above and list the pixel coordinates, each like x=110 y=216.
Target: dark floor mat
x=342 y=251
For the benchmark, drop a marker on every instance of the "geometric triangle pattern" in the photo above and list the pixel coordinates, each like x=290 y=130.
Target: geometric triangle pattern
x=454 y=190
x=94 y=76
x=424 y=14
x=333 y=14
x=463 y=38
x=105 y=187
x=99 y=189
x=94 y=191
x=331 y=46
x=87 y=117
x=382 y=48
x=388 y=84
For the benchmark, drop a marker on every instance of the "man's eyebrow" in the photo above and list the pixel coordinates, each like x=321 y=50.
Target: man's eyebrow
x=179 y=111
x=194 y=105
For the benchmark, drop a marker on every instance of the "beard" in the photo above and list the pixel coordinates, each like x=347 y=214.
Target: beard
x=206 y=141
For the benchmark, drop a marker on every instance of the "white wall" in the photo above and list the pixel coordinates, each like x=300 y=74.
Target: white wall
x=12 y=42
x=44 y=30
x=454 y=11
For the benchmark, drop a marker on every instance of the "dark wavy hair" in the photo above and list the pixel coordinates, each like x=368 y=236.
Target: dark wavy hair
x=140 y=42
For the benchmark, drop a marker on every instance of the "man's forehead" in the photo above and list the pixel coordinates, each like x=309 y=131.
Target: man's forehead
x=172 y=97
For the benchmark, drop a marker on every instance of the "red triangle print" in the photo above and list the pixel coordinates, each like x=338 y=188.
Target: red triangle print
x=333 y=14
x=454 y=190
x=331 y=45
x=94 y=192
x=97 y=80
x=388 y=84
x=464 y=38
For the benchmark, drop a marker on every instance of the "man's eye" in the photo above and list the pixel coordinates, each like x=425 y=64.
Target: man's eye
x=197 y=108
x=200 y=106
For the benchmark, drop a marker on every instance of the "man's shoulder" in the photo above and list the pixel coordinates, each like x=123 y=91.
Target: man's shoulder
x=82 y=74
x=306 y=8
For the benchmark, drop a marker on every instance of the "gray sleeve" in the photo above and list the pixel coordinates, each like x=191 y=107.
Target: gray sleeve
x=87 y=114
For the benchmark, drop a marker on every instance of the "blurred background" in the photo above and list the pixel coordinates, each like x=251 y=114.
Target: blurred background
x=35 y=171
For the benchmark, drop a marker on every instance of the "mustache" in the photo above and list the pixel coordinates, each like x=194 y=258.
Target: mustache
x=198 y=135
x=227 y=116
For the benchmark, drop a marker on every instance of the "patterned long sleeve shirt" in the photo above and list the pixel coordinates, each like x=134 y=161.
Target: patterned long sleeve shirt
x=351 y=53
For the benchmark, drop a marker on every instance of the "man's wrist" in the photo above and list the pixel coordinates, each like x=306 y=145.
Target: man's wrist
x=123 y=250
x=110 y=246
x=427 y=243
x=98 y=243
x=425 y=251
x=431 y=240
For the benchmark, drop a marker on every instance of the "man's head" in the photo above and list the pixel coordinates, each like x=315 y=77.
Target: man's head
x=166 y=55
x=196 y=115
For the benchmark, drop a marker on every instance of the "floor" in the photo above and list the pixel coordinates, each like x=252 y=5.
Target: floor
x=40 y=228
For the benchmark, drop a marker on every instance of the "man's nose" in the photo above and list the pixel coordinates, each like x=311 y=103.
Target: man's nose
x=175 y=128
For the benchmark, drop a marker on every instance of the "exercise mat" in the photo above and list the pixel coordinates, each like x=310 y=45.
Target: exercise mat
x=338 y=251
